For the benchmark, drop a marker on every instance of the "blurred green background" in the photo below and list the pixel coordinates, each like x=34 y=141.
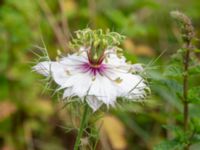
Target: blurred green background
x=31 y=119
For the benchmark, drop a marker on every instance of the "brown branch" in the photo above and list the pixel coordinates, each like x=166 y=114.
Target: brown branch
x=92 y=12
x=185 y=84
x=64 y=21
x=186 y=59
x=54 y=25
x=188 y=34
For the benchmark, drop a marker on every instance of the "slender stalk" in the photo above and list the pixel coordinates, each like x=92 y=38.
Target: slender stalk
x=187 y=32
x=185 y=86
x=185 y=89
x=82 y=126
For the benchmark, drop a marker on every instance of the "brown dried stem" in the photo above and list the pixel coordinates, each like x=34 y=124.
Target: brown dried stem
x=92 y=10
x=64 y=21
x=54 y=25
x=187 y=32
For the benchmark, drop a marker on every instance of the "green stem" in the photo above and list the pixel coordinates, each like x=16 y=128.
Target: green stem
x=82 y=126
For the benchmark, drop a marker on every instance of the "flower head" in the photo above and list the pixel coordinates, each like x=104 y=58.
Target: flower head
x=96 y=71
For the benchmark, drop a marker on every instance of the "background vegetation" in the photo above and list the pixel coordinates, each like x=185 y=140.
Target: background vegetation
x=32 y=119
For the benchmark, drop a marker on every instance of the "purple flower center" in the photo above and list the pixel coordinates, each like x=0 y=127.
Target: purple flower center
x=93 y=69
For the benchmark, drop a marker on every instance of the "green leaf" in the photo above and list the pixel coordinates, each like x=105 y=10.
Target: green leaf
x=194 y=70
x=173 y=128
x=194 y=94
x=174 y=86
x=116 y=17
x=169 y=145
x=197 y=50
x=195 y=138
x=173 y=71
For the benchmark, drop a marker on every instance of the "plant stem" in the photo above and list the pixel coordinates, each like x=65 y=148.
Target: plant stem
x=185 y=89
x=187 y=32
x=82 y=126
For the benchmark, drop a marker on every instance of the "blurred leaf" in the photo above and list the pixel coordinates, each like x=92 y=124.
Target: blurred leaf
x=129 y=45
x=140 y=50
x=4 y=87
x=143 y=50
x=174 y=86
x=70 y=7
x=173 y=71
x=39 y=107
x=7 y=109
x=117 y=17
x=177 y=131
x=115 y=131
x=194 y=94
x=197 y=50
x=169 y=145
x=7 y=147
x=146 y=3
x=195 y=138
x=194 y=70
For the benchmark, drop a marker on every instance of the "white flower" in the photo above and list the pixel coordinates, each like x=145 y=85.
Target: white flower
x=100 y=82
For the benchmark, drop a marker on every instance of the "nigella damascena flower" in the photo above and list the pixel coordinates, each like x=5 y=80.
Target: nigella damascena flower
x=96 y=73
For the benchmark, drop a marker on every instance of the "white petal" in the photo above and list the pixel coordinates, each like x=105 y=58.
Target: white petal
x=59 y=73
x=104 y=89
x=73 y=60
x=132 y=86
x=68 y=93
x=113 y=59
x=43 y=68
x=128 y=85
x=80 y=83
x=55 y=69
x=93 y=102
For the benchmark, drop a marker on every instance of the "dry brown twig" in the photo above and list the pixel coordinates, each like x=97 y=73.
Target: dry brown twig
x=62 y=40
x=64 y=21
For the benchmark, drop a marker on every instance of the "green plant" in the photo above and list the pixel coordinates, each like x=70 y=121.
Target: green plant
x=179 y=72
